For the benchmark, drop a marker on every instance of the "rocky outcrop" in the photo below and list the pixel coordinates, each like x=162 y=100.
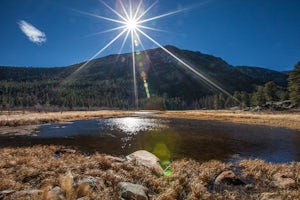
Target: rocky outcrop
x=129 y=191
x=273 y=106
x=146 y=159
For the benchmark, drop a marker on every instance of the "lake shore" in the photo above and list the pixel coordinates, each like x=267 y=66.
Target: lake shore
x=27 y=123
x=275 y=119
x=19 y=118
x=52 y=172
x=24 y=123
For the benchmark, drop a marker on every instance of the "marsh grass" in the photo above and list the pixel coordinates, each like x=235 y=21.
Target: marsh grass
x=277 y=119
x=33 y=118
x=95 y=176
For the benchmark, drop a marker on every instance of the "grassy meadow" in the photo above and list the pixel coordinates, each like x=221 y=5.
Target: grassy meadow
x=46 y=172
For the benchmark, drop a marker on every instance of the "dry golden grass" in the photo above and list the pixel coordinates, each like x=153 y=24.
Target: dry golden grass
x=276 y=119
x=30 y=118
x=74 y=175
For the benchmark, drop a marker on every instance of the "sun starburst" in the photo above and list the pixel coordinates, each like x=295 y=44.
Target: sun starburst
x=132 y=23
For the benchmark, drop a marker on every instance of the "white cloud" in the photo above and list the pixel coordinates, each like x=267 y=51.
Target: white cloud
x=33 y=34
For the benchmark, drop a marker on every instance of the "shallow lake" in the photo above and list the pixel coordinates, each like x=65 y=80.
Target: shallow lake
x=169 y=138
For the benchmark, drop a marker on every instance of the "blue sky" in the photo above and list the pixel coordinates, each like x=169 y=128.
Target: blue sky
x=262 y=33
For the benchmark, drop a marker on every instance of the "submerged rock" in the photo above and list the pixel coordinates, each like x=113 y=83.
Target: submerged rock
x=147 y=159
x=282 y=181
x=229 y=178
x=129 y=191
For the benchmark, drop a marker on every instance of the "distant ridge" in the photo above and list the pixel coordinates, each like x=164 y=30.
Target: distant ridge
x=262 y=75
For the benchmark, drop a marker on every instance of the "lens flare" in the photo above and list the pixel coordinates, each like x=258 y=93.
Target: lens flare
x=131 y=21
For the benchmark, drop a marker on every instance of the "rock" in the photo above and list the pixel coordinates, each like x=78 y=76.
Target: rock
x=269 y=196
x=277 y=106
x=147 y=159
x=59 y=151
x=115 y=159
x=282 y=181
x=249 y=186
x=95 y=183
x=235 y=108
x=55 y=193
x=229 y=178
x=129 y=191
x=83 y=198
x=7 y=191
x=256 y=109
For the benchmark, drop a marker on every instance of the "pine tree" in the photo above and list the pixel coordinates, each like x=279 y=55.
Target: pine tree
x=270 y=91
x=216 y=102
x=259 y=96
x=245 y=100
x=294 y=85
x=222 y=101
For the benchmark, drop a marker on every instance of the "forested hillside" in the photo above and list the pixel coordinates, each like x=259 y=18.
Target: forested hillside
x=108 y=83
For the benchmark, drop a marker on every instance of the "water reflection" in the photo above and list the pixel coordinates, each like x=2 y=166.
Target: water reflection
x=131 y=126
x=134 y=125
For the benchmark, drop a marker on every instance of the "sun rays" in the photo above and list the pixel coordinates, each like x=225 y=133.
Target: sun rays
x=131 y=23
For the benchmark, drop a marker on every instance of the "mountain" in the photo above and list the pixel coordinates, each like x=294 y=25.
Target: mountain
x=262 y=75
x=108 y=81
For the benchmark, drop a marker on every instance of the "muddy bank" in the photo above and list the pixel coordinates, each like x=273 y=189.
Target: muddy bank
x=52 y=172
x=27 y=123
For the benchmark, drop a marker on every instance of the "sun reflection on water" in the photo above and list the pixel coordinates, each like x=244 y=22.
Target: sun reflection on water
x=131 y=126
x=134 y=125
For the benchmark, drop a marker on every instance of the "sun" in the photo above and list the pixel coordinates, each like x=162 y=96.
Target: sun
x=132 y=24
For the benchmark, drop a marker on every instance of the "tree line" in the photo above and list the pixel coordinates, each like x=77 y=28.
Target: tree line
x=85 y=94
